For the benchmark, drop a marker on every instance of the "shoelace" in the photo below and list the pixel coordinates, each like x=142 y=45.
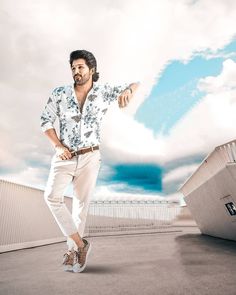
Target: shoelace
x=77 y=256
x=66 y=257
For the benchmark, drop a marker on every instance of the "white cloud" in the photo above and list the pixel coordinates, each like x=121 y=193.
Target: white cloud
x=30 y=176
x=126 y=140
x=225 y=55
x=179 y=173
x=221 y=83
x=109 y=193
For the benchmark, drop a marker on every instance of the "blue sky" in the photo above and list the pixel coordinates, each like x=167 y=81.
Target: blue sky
x=134 y=178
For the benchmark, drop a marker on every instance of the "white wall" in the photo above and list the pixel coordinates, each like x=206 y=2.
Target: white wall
x=25 y=219
x=207 y=204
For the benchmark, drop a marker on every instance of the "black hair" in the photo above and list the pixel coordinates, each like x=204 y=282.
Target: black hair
x=89 y=59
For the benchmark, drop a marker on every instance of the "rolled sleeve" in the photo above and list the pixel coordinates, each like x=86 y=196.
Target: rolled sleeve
x=49 y=113
x=117 y=90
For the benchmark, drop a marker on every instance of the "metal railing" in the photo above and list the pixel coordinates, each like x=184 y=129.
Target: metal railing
x=130 y=216
x=212 y=164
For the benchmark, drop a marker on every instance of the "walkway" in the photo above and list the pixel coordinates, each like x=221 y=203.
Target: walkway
x=175 y=263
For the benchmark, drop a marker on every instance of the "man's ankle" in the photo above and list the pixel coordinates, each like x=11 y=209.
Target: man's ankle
x=80 y=246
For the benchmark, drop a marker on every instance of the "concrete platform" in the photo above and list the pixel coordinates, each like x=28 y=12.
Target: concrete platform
x=172 y=263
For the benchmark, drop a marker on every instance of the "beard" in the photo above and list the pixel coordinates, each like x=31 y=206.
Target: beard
x=81 y=80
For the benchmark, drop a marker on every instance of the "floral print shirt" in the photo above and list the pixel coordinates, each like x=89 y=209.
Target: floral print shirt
x=79 y=129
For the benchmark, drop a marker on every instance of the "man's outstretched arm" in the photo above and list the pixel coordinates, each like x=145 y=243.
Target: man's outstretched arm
x=127 y=94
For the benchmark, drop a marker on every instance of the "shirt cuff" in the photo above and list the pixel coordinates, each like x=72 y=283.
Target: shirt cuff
x=47 y=126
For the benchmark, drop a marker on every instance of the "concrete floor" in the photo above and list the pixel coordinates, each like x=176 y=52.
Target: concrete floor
x=174 y=263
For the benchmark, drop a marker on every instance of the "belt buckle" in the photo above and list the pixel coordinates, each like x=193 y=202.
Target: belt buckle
x=74 y=153
x=92 y=148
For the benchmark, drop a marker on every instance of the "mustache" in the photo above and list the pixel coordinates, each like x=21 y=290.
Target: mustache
x=77 y=76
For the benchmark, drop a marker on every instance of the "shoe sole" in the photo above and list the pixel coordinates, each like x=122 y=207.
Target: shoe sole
x=77 y=268
x=68 y=268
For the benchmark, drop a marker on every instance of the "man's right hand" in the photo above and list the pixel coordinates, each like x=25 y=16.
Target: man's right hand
x=63 y=152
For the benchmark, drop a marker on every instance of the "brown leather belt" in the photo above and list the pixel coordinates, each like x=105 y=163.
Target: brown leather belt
x=85 y=150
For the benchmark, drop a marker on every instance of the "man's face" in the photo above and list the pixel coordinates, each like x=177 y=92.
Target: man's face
x=81 y=72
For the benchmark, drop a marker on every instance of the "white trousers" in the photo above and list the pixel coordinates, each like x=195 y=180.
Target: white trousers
x=82 y=171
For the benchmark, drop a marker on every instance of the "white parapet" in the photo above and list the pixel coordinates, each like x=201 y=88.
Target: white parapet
x=210 y=192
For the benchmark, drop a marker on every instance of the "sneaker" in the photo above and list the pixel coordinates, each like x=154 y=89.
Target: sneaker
x=81 y=257
x=68 y=259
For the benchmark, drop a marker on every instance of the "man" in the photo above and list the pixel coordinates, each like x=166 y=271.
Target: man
x=80 y=108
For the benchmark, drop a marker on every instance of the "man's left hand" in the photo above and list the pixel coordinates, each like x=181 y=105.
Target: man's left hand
x=124 y=98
